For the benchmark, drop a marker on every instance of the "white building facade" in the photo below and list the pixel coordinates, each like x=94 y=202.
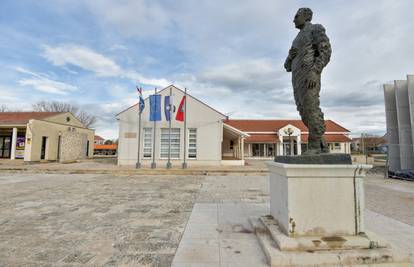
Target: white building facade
x=204 y=134
x=211 y=138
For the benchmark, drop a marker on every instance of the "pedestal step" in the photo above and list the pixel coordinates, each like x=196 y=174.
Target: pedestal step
x=318 y=243
x=336 y=256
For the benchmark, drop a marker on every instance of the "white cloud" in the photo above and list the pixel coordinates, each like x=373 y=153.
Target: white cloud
x=82 y=57
x=44 y=83
x=252 y=75
x=87 y=59
x=48 y=86
x=231 y=53
x=132 y=17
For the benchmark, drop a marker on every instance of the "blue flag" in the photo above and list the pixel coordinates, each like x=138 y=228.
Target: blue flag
x=155 y=107
x=141 y=104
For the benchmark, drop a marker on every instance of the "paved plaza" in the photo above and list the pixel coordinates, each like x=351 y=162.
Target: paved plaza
x=138 y=220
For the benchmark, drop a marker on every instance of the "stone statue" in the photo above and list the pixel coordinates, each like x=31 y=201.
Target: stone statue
x=309 y=54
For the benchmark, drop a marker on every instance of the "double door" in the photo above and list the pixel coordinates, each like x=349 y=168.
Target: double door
x=5 y=146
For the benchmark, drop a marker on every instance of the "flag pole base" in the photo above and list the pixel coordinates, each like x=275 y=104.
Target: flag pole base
x=153 y=165
x=138 y=165
x=184 y=165
x=169 y=165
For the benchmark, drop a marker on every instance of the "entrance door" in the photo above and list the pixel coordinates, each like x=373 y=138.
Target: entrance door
x=287 y=148
x=5 y=146
x=87 y=148
x=271 y=150
x=258 y=150
x=43 y=151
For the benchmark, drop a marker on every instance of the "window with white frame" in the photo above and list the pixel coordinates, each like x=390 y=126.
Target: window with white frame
x=192 y=143
x=147 y=149
x=175 y=143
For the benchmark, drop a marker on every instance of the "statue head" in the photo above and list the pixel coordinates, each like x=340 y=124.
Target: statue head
x=303 y=15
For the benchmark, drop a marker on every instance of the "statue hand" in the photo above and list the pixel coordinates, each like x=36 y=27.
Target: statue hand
x=312 y=80
x=293 y=52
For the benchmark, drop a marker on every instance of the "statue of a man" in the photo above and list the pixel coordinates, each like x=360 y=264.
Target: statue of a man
x=309 y=54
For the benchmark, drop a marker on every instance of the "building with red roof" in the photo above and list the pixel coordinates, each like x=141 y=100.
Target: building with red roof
x=98 y=140
x=268 y=138
x=211 y=137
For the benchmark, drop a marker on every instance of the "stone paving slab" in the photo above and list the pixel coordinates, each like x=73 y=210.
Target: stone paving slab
x=225 y=240
x=93 y=220
x=138 y=220
x=233 y=241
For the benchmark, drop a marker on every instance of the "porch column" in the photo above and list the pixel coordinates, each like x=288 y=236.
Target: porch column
x=292 y=147
x=13 y=144
x=280 y=146
x=239 y=150
x=299 y=144
x=242 y=148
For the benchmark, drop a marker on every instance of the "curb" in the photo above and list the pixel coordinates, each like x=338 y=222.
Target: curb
x=140 y=172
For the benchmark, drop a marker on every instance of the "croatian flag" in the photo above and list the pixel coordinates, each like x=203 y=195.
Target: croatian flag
x=141 y=100
x=155 y=107
x=180 y=113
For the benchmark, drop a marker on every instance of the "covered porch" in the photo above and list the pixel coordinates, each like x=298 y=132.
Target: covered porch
x=12 y=142
x=233 y=146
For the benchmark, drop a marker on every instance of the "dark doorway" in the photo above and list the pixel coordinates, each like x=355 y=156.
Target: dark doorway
x=87 y=148
x=58 y=148
x=258 y=150
x=43 y=151
x=5 y=146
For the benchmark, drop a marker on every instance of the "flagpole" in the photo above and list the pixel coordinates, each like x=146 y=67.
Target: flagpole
x=169 y=131
x=138 y=165
x=153 y=164
x=185 y=129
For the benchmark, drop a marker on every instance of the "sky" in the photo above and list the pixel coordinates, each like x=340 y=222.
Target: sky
x=229 y=54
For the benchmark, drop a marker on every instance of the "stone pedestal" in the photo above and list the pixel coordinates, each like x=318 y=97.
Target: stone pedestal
x=317 y=219
x=316 y=199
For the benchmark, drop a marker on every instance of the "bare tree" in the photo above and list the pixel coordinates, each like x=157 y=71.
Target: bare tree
x=3 y=108
x=55 y=106
x=108 y=142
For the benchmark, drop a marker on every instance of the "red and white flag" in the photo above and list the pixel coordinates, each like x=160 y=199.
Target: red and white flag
x=180 y=113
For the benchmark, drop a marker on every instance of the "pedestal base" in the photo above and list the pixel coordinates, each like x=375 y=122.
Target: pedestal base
x=284 y=251
x=317 y=199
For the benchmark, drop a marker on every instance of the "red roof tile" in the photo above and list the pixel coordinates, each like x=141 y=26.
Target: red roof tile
x=262 y=138
x=19 y=118
x=97 y=137
x=273 y=138
x=329 y=138
x=275 y=125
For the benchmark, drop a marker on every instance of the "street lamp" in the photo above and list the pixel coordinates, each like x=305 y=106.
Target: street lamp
x=289 y=132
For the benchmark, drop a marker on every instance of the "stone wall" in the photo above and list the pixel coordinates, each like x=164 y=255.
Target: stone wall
x=73 y=146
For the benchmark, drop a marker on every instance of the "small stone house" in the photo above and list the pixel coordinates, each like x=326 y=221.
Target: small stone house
x=44 y=136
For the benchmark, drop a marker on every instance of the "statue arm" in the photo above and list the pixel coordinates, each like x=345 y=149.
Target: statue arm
x=322 y=48
x=288 y=64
